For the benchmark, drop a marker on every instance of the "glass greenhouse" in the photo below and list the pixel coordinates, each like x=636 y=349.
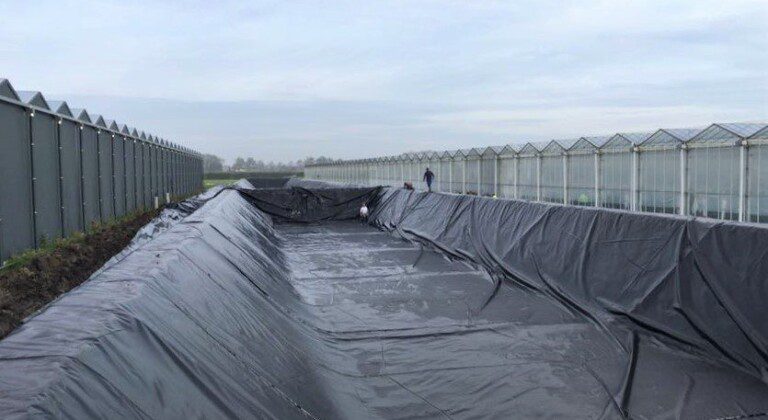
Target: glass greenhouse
x=719 y=171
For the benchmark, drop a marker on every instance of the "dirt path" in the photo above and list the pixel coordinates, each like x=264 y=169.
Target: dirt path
x=36 y=279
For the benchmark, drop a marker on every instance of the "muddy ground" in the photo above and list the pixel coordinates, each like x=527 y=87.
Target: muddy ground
x=39 y=277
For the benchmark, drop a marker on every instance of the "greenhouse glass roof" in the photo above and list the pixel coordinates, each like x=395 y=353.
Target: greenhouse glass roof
x=7 y=90
x=762 y=134
x=726 y=133
x=33 y=98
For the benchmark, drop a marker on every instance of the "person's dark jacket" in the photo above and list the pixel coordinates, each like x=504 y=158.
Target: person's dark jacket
x=429 y=176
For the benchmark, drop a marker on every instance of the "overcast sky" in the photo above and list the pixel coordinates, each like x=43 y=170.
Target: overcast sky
x=281 y=80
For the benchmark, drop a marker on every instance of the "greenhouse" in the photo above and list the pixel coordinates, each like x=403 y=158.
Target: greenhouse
x=457 y=172
x=718 y=172
x=507 y=175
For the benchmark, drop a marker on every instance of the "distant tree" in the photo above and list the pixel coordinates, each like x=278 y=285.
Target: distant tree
x=212 y=163
x=239 y=164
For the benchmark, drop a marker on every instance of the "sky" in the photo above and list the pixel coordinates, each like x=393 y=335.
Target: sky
x=282 y=80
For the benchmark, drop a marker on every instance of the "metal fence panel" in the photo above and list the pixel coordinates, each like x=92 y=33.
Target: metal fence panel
x=146 y=177
x=118 y=175
x=161 y=174
x=71 y=173
x=155 y=171
x=140 y=168
x=16 y=221
x=45 y=154
x=106 y=176
x=61 y=173
x=130 y=175
x=90 y=179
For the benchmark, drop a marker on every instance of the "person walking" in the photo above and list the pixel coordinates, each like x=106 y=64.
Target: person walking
x=429 y=176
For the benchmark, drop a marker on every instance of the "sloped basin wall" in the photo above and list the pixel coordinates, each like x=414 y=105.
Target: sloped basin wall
x=697 y=284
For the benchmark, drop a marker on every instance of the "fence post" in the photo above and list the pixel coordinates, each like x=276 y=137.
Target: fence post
x=82 y=177
x=683 y=179
x=98 y=170
x=34 y=178
x=61 y=177
x=743 y=145
x=450 y=175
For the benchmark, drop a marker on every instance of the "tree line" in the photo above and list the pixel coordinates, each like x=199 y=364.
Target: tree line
x=213 y=163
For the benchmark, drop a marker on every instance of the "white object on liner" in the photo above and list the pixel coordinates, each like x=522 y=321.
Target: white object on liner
x=364 y=211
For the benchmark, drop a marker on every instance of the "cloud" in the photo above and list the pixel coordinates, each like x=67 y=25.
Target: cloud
x=352 y=78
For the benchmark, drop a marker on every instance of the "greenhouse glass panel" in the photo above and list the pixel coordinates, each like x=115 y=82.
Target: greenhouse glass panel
x=527 y=183
x=458 y=170
x=434 y=166
x=713 y=182
x=616 y=180
x=417 y=170
x=473 y=166
x=487 y=178
x=552 y=179
x=444 y=177
x=659 y=187
x=581 y=179
x=507 y=177
x=757 y=183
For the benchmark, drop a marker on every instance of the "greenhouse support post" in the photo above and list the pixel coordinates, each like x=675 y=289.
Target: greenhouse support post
x=565 y=178
x=464 y=176
x=743 y=180
x=683 y=178
x=538 y=177
x=635 y=180
x=495 y=176
x=597 y=178
x=517 y=175
x=479 y=177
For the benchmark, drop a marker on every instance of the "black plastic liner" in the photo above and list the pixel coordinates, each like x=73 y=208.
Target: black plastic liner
x=268 y=182
x=491 y=309
x=305 y=205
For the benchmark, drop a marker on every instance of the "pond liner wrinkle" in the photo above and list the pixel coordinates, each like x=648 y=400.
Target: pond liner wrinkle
x=249 y=302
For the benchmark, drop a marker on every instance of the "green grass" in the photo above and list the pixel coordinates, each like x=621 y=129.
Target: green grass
x=208 y=183
x=48 y=246
x=239 y=175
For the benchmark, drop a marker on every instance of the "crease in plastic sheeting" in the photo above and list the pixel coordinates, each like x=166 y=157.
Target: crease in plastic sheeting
x=745 y=325
x=409 y=221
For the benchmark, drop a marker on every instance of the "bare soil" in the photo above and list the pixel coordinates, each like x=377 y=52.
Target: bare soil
x=41 y=276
